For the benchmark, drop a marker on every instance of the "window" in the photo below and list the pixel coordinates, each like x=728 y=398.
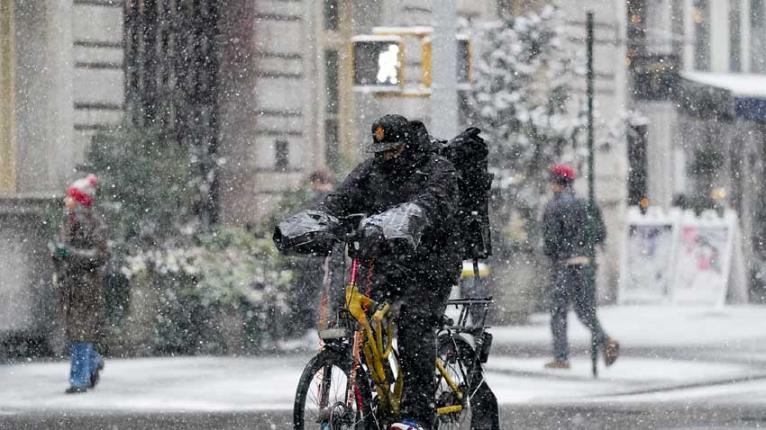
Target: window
x=463 y=61
x=637 y=165
x=653 y=65
x=281 y=154
x=701 y=19
x=504 y=8
x=756 y=13
x=331 y=15
x=735 y=37
x=331 y=137
x=331 y=132
x=331 y=80
x=757 y=42
x=677 y=26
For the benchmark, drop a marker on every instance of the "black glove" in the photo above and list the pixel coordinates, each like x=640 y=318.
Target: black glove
x=371 y=243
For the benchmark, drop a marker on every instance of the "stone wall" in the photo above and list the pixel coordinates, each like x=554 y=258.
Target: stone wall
x=27 y=299
x=272 y=153
x=60 y=81
x=97 y=61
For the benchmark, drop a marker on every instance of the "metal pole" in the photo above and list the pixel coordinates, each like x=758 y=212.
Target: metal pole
x=591 y=174
x=444 y=106
x=589 y=29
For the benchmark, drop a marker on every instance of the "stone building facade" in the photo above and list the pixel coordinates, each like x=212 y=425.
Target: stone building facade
x=698 y=69
x=61 y=80
x=284 y=105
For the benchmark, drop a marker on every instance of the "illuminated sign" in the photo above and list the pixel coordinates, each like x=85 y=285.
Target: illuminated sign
x=378 y=62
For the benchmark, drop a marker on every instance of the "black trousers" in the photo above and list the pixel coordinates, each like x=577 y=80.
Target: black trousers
x=573 y=285
x=423 y=295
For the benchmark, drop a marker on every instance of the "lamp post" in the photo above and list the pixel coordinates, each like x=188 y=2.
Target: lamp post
x=591 y=174
x=589 y=42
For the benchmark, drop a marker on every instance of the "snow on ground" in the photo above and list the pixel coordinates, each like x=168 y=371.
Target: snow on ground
x=247 y=384
x=152 y=384
x=628 y=371
x=741 y=394
x=524 y=380
x=694 y=353
x=655 y=326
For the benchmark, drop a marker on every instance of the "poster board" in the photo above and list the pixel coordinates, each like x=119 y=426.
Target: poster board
x=703 y=258
x=649 y=249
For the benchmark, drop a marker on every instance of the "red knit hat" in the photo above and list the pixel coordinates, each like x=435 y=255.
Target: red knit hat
x=83 y=190
x=563 y=173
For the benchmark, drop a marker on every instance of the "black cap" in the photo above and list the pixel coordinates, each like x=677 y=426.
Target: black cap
x=388 y=132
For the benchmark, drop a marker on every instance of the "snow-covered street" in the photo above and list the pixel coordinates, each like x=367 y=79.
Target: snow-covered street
x=679 y=358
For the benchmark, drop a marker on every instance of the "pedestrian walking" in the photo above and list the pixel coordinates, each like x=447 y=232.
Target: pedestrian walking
x=79 y=256
x=572 y=227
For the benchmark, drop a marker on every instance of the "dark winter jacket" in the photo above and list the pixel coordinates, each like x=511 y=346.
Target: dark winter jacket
x=80 y=275
x=565 y=227
x=429 y=181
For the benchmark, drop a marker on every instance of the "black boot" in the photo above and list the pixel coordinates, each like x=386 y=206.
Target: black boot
x=96 y=376
x=75 y=390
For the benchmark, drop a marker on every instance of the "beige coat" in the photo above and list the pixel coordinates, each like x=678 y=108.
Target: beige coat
x=80 y=275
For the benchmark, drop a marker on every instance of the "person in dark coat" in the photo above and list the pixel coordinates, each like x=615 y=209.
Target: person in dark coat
x=79 y=257
x=407 y=175
x=571 y=230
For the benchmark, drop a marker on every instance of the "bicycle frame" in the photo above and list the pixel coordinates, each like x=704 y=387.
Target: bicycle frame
x=371 y=342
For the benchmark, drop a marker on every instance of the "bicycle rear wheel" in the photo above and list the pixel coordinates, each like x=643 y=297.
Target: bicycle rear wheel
x=326 y=398
x=457 y=357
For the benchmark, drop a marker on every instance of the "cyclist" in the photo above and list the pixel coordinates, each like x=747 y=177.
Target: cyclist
x=406 y=171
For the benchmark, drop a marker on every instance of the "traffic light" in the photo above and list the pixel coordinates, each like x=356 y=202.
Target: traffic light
x=378 y=62
x=463 y=61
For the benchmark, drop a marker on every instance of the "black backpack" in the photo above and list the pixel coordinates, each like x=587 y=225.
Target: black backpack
x=468 y=153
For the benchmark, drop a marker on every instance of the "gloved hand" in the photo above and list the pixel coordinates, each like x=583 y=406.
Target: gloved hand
x=371 y=242
x=61 y=251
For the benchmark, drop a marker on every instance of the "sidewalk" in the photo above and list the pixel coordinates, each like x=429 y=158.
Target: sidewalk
x=675 y=352
x=664 y=350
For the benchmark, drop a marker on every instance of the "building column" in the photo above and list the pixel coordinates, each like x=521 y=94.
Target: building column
x=7 y=98
x=348 y=145
x=744 y=28
x=44 y=88
x=719 y=36
x=237 y=112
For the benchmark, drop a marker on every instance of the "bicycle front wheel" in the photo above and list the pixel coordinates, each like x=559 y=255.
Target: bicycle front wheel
x=327 y=398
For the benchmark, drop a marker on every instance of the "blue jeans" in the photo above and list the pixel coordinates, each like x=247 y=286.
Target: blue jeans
x=573 y=285
x=84 y=363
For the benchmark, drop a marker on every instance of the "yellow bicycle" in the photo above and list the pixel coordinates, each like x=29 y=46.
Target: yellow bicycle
x=355 y=382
